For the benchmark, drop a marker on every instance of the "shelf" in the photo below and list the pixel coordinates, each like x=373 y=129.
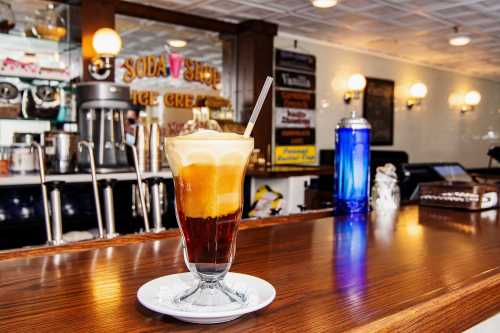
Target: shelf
x=34 y=45
x=34 y=179
x=35 y=76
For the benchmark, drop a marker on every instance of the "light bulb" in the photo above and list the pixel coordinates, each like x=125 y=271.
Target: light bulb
x=324 y=3
x=107 y=42
x=472 y=98
x=459 y=40
x=357 y=82
x=177 y=42
x=418 y=90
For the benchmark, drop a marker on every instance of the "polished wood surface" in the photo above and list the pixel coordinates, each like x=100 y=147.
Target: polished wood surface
x=136 y=238
x=425 y=270
x=279 y=171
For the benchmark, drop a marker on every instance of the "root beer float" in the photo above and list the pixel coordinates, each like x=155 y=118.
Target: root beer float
x=209 y=169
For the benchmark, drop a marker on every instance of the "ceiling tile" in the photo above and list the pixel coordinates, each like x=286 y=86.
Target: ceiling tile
x=417 y=30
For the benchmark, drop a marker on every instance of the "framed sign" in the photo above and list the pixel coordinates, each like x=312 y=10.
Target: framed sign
x=295 y=154
x=378 y=109
x=295 y=104
x=295 y=136
x=294 y=60
x=294 y=80
x=295 y=118
x=295 y=99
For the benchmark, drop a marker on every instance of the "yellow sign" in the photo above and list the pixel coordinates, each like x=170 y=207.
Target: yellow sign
x=295 y=154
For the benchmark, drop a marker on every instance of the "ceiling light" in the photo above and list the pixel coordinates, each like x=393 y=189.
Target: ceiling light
x=177 y=42
x=324 y=3
x=458 y=39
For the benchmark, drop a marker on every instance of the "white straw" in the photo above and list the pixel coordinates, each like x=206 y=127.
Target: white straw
x=258 y=106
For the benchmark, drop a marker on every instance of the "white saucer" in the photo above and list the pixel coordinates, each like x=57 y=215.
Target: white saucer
x=158 y=294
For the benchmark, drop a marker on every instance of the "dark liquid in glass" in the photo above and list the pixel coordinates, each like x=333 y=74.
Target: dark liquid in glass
x=208 y=203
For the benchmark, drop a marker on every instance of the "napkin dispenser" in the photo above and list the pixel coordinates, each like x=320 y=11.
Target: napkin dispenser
x=460 y=195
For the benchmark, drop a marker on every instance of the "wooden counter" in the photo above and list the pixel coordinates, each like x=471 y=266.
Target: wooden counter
x=280 y=171
x=427 y=270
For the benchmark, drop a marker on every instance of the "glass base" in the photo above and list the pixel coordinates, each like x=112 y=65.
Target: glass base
x=345 y=207
x=212 y=294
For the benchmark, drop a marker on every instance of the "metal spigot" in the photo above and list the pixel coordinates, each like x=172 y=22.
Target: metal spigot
x=156 y=213
x=45 y=198
x=139 y=185
x=109 y=209
x=55 y=204
x=89 y=147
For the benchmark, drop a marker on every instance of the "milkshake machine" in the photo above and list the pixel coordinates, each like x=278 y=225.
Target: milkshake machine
x=101 y=112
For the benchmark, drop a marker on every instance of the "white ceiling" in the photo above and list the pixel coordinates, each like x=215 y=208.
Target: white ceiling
x=145 y=37
x=416 y=30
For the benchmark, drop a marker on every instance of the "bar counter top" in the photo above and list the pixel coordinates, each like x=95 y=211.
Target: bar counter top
x=423 y=269
x=280 y=171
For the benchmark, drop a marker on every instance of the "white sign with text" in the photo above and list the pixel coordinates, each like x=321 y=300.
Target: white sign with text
x=294 y=118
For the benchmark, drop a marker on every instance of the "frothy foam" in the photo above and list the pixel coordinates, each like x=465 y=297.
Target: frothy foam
x=208 y=147
x=208 y=169
x=211 y=135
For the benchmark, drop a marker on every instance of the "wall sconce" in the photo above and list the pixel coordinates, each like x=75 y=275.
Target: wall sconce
x=418 y=91
x=107 y=44
x=356 y=84
x=471 y=101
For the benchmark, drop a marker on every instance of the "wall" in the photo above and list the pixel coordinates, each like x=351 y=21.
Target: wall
x=434 y=131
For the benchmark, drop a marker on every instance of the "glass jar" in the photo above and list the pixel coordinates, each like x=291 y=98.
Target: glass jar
x=22 y=159
x=385 y=191
x=7 y=19
x=4 y=161
x=49 y=24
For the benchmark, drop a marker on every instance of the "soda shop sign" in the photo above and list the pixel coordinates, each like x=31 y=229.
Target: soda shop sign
x=171 y=64
x=181 y=100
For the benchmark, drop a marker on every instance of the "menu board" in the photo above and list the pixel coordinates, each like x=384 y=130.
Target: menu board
x=295 y=60
x=295 y=154
x=295 y=99
x=295 y=136
x=288 y=79
x=295 y=118
x=378 y=109
x=295 y=114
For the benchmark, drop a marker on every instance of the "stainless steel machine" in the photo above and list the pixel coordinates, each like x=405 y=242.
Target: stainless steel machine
x=101 y=112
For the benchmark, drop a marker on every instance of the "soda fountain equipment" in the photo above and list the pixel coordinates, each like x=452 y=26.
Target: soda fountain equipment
x=101 y=108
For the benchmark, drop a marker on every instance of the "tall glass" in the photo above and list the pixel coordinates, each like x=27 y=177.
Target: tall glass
x=209 y=169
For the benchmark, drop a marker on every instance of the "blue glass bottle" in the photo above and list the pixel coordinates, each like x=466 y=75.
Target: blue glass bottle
x=352 y=165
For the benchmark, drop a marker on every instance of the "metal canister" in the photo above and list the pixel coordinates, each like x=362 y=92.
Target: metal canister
x=60 y=150
x=352 y=165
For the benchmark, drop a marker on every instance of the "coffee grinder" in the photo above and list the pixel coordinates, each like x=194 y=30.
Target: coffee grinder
x=101 y=108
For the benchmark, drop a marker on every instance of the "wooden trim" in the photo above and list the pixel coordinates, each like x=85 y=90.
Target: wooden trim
x=173 y=17
x=138 y=238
